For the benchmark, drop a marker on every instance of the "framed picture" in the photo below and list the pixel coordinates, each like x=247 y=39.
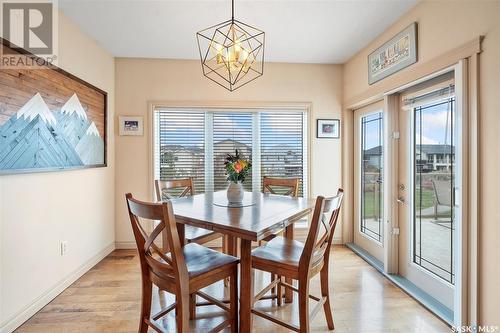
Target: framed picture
x=396 y=54
x=50 y=120
x=328 y=128
x=131 y=125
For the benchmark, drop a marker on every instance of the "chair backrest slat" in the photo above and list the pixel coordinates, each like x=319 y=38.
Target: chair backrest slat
x=325 y=216
x=153 y=259
x=162 y=187
x=290 y=185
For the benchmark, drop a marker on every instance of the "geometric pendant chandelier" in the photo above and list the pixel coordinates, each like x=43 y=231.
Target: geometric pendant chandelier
x=231 y=52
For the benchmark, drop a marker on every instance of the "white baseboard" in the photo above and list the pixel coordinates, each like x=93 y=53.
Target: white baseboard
x=18 y=319
x=127 y=245
x=337 y=241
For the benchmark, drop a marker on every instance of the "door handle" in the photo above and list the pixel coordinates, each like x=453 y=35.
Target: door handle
x=400 y=200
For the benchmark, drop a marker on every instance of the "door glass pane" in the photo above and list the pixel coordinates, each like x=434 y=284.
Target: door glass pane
x=371 y=176
x=434 y=157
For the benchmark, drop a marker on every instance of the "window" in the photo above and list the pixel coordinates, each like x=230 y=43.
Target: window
x=282 y=146
x=195 y=142
x=231 y=131
x=433 y=184
x=371 y=176
x=180 y=146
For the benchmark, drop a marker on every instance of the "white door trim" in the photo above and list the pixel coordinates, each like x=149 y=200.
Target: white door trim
x=461 y=193
x=392 y=85
x=466 y=80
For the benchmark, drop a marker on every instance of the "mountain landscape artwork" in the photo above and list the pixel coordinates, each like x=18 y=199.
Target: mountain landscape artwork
x=36 y=137
x=50 y=120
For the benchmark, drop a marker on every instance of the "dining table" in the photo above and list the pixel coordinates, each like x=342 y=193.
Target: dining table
x=258 y=216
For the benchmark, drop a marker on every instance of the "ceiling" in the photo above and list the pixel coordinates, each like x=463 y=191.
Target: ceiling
x=306 y=31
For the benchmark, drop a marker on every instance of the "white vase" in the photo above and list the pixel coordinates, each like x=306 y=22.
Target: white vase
x=235 y=193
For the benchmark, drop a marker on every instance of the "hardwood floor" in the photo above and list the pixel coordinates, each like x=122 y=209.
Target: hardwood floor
x=107 y=299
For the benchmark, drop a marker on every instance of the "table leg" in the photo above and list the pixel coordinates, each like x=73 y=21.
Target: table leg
x=230 y=248
x=288 y=292
x=246 y=281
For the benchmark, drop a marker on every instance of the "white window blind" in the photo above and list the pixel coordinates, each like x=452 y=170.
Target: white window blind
x=180 y=146
x=282 y=146
x=231 y=131
x=194 y=143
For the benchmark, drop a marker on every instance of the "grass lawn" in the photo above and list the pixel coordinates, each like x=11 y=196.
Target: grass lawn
x=428 y=198
x=371 y=201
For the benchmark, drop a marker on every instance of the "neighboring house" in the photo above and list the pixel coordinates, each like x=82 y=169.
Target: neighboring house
x=179 y=161
x=372 y=157
x=435 y=157
x=288 y=162
x=430 y=157
x=228 y=146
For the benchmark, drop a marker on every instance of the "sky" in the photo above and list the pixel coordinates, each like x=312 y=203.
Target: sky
x=276 y=128
x=430 y=130
x=435 y=124
x=279 y=128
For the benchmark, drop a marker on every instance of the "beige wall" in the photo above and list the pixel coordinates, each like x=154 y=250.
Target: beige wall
x=39 y=210
x=139 y=81
x=444 y=25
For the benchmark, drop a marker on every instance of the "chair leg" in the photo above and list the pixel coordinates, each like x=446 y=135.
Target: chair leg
x=182 y=314
x=304 y=305
x=325 y=293
x=234 y=300
x=224 y=244
x=192 y=306
x=147 y=293
x=225 y=250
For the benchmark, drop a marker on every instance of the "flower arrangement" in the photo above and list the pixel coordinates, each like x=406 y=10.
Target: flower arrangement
x=237 y=167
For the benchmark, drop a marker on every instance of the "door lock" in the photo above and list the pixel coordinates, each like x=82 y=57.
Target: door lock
x=402 y=187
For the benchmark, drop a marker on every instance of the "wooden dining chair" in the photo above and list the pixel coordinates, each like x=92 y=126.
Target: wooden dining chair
x=283 y=186
x=169 y=189
x=299 y=261
x=280 y=186
x=181 y=271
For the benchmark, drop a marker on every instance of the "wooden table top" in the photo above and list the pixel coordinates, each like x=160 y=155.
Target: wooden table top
x=268 y=214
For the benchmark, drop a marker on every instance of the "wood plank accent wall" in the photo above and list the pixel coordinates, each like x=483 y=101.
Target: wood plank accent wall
x=17 y=86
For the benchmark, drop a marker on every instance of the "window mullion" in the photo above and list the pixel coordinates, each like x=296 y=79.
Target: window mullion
x=209 y=151
x=256 y=152
x=156 y=143
x=305 y=155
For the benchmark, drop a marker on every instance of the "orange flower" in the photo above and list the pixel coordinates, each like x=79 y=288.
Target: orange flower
x=238 y=166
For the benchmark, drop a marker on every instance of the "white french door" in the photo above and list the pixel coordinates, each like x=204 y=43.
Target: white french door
x=427 y=182
x=411 y=189
x=368 y=180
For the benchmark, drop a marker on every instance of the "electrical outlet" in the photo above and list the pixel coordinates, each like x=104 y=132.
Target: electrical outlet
x=64 y=247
